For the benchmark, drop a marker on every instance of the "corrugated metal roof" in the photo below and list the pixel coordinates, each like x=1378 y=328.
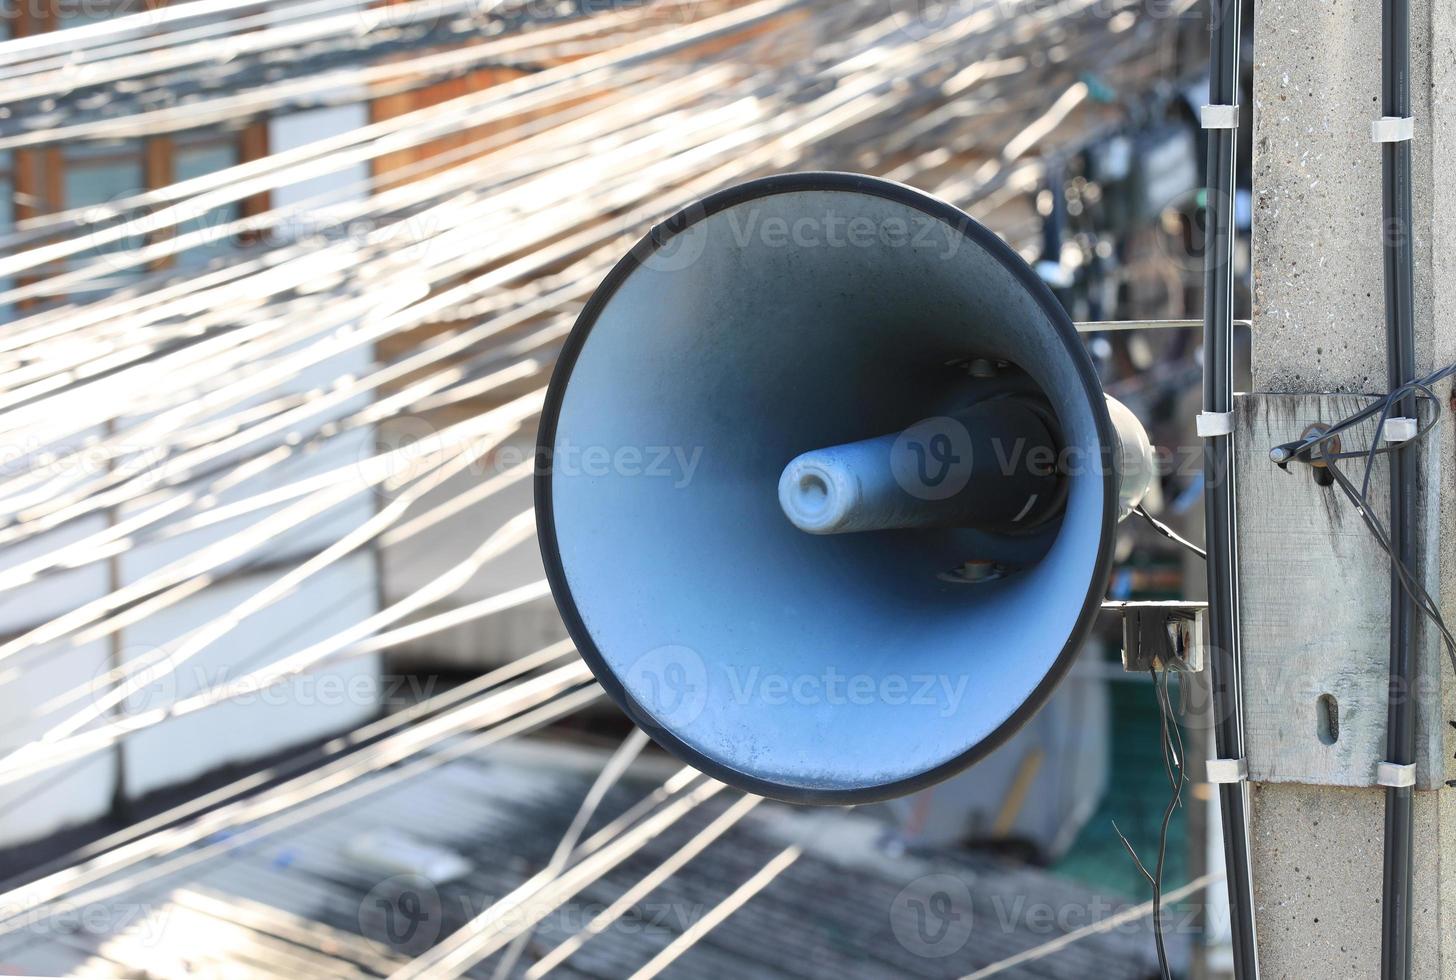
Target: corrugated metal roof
x=296 y=905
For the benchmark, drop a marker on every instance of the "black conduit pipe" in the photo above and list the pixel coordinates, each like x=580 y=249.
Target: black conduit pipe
x=1400 y=739
x=1218 y=500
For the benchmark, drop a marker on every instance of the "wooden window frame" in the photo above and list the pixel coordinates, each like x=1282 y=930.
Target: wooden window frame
x=39 y=174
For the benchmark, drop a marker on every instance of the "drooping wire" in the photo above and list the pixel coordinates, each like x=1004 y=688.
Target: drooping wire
x=1168 y=532
x=1314 y=445
x=1176 y=778
x=1098 y=928
x=1424 y=602
x=1171 y=743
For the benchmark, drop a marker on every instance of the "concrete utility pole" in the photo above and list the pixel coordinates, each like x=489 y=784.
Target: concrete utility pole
x=1319 y=327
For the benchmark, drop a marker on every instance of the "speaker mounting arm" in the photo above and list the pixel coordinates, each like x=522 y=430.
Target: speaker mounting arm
x=1161 y=635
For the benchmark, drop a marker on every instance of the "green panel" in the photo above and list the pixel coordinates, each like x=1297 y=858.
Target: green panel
x=1137 y=793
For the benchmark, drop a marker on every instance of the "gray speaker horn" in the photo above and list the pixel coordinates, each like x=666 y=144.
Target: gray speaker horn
x=828 y=487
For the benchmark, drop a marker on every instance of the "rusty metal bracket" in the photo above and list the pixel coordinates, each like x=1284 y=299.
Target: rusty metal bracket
x=1160 y=635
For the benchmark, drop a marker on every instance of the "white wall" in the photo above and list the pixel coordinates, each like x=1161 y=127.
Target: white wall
x=309 y=708
x=341 y=695
x=338 y=697
x=30 y=682
x=413 y=562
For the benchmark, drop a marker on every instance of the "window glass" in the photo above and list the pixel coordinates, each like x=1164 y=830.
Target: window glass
x=194 y=160
x=102 y=174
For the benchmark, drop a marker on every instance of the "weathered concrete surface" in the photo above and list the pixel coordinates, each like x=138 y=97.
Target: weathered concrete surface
x=1318 y=272
x=1319 y=326
x=1317 y=878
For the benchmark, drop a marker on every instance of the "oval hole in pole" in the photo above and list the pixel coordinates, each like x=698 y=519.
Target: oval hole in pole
x=1327 y=719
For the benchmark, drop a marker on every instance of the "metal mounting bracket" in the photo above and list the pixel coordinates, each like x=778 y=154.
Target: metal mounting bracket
x=1161 y=635
x=1314 y=708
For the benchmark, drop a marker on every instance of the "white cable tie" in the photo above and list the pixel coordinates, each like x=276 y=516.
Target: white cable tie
x=1394 y=775
x=1222 y=771
x=1215 y=424
x=1219 y=117
x=1393 y=129
x=1399 y=429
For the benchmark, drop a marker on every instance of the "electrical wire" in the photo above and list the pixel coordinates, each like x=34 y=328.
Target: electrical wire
x=1314 y=450
x=105 y=502
x=1219 y=478
x=521 y=709
x=1170 y=743
x=1117 y=921
x=349 y=84
x=156 y=834
x=1407 y=592
x=83 y=36
x=642 y=888
x=1406 y=576
x=36 y=757
x=611 y=772
x=1314 y=444
x=506 y=918
x=1168 y=532
x=183 y=381
x=717 y=914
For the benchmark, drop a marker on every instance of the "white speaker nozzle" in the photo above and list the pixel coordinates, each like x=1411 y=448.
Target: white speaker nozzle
x=991 y=466
x=820 y=493
x=994 y=466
